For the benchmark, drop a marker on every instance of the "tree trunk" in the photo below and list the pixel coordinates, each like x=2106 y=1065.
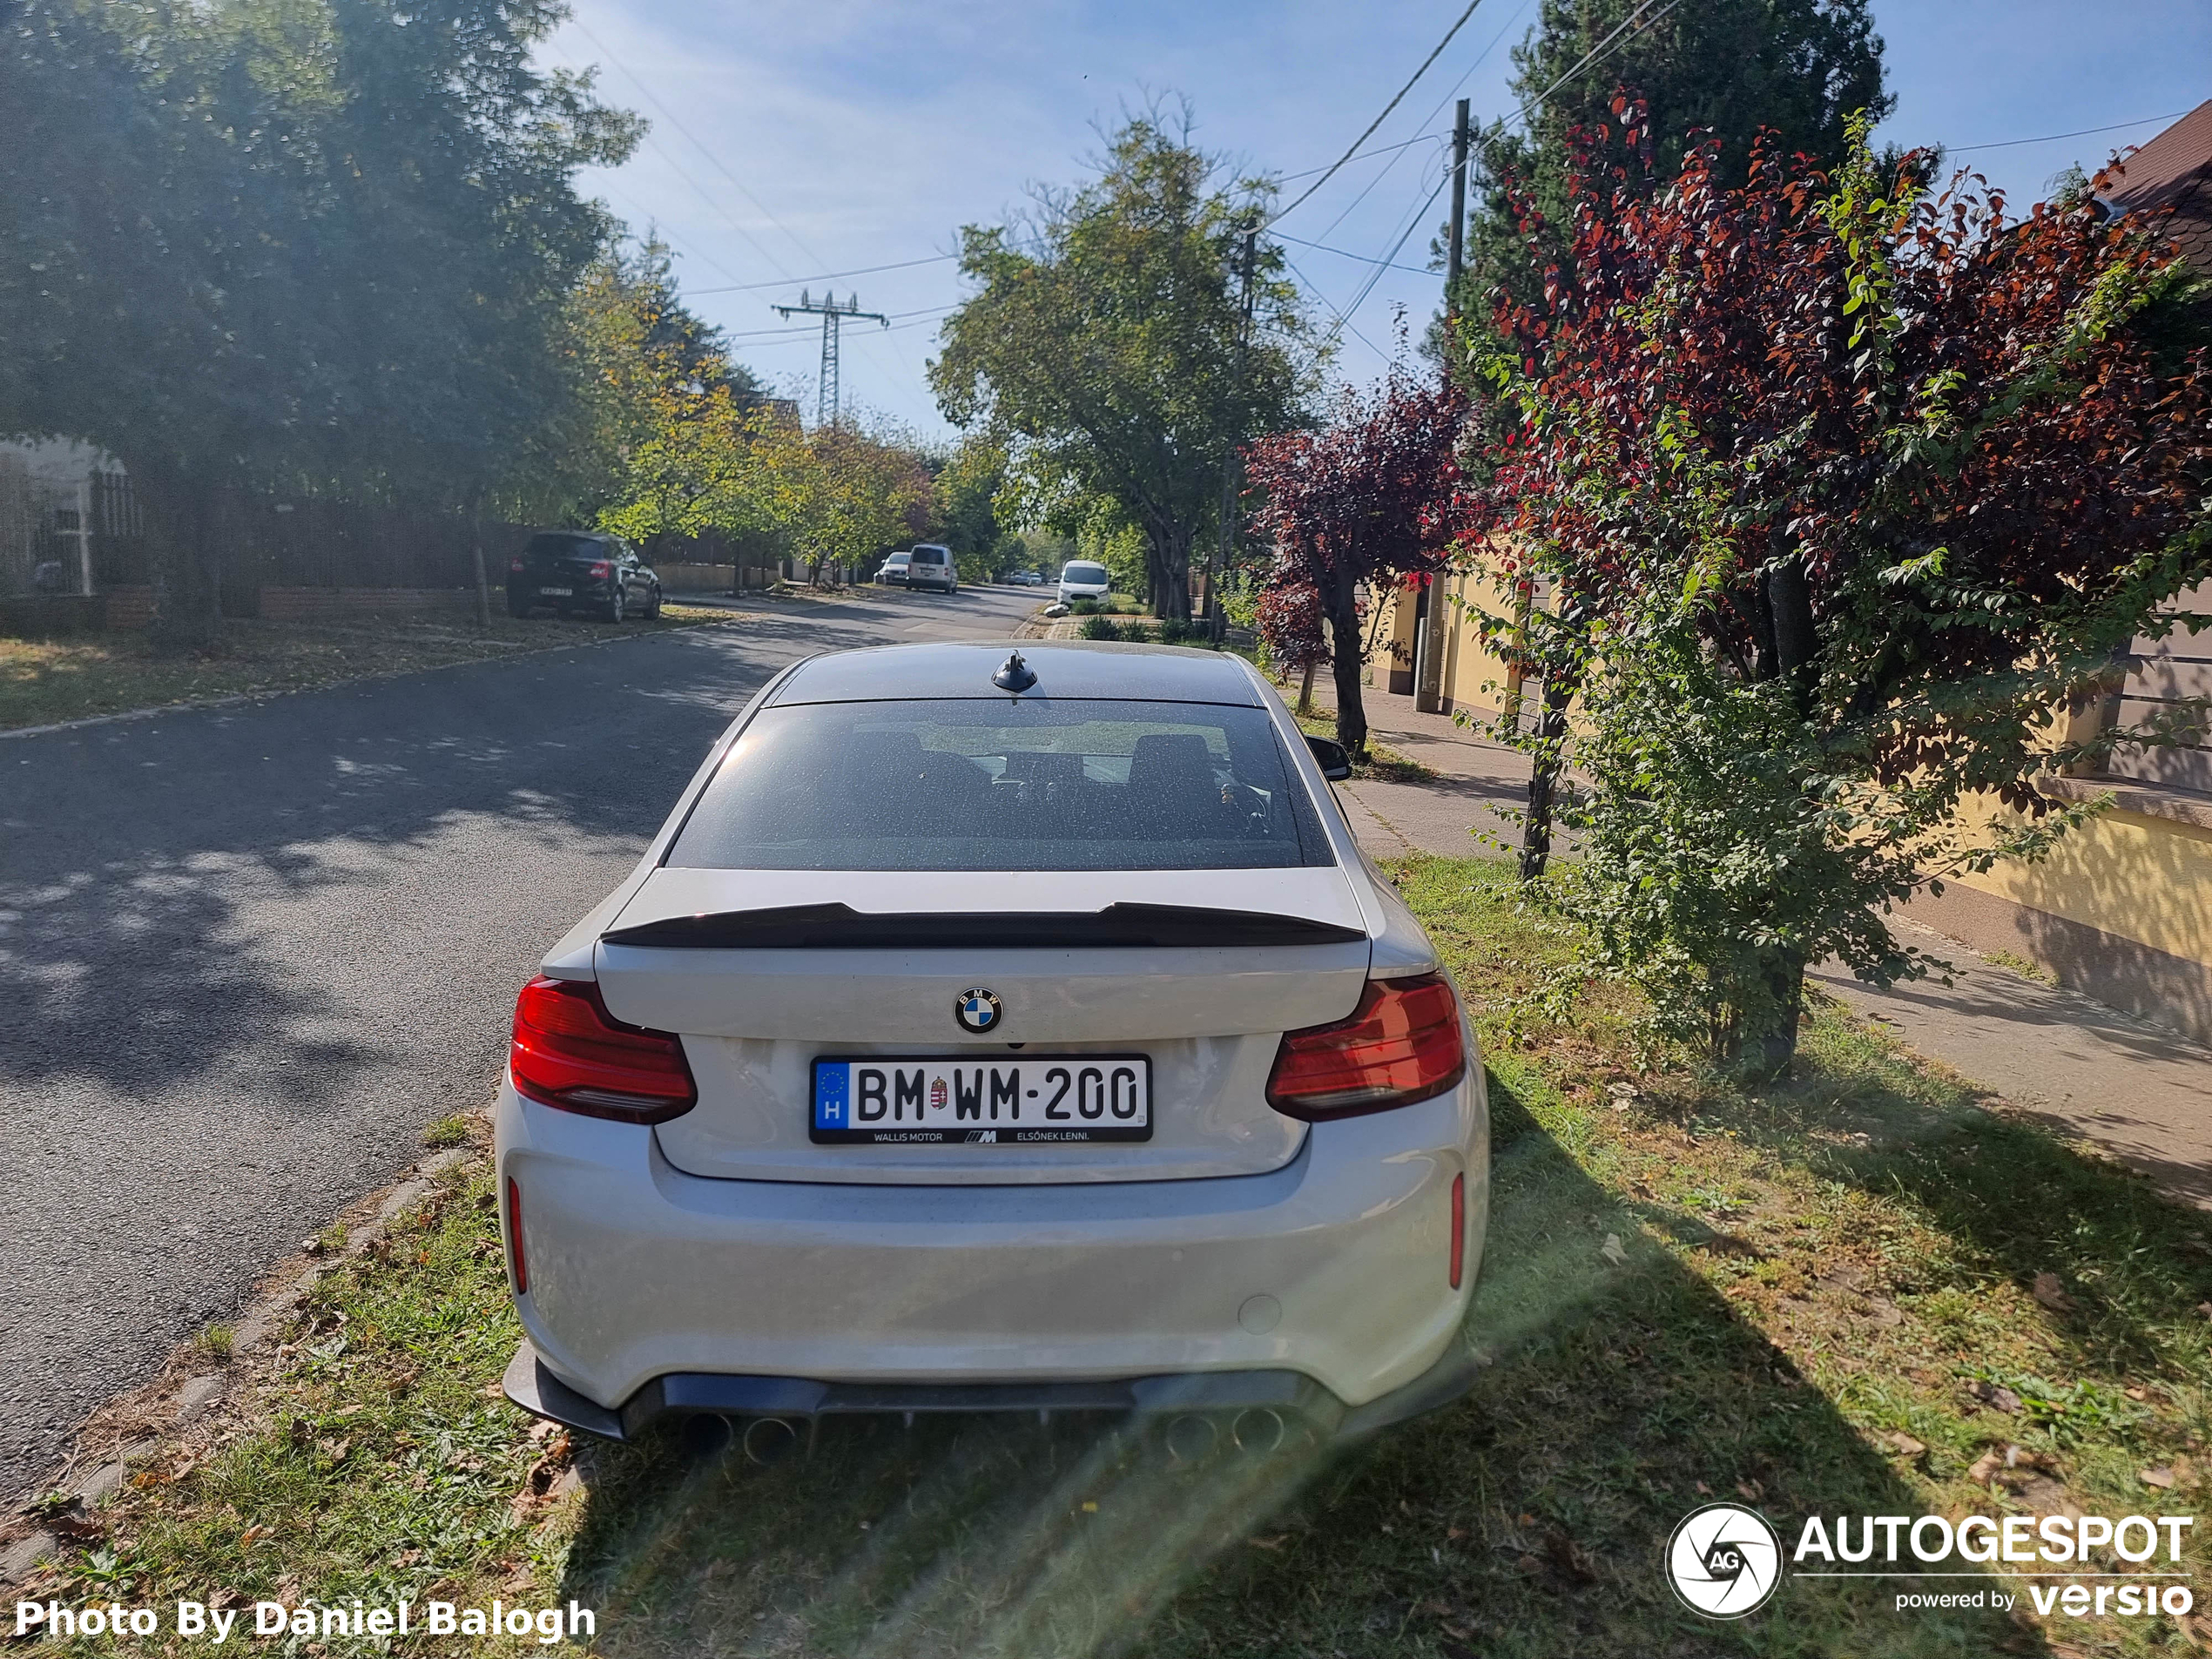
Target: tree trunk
x=483 y=583
x=1765 y=1045
x=1169 y=563
x=1347 y=665
x=1543 y=781
x=188 y=574
x=1306 y=690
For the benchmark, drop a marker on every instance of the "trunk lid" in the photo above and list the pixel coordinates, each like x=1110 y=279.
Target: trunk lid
x=761 y=973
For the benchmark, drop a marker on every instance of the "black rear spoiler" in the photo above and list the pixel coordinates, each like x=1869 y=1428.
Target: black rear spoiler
x=836 y=926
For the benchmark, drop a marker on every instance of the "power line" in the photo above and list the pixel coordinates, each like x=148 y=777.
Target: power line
x=1345 y=252
x=1343 y=321
x=1603 y=49
x=823 y=276
x=766 y=212
x=715 y=160
x=2052 y=137
x=1328 y=172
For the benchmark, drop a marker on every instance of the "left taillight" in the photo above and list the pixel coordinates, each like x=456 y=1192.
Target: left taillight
x=599 y=569
x=568 y=1051
x=1401 y=1044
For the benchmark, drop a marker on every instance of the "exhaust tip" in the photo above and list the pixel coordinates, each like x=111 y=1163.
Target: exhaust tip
x=706 y=1435
x=1259 y=1430
x=769 y=1441
x=1191 y=1438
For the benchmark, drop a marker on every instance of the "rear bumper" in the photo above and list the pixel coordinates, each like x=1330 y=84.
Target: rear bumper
x=1333 y=1269
x=536 y=1390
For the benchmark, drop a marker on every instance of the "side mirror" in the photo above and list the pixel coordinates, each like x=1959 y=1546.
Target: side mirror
x=1330 y=756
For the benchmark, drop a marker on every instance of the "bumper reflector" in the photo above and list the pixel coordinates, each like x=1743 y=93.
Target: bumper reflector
x=1459 y=1225
x=521 y=1267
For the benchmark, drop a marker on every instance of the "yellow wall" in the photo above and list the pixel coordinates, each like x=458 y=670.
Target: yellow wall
x=2142 y=878
x=1473 y=676
x=2127 y=873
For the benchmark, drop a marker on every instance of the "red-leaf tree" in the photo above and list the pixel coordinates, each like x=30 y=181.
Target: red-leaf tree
x=1846 y=488
x=1374 y=497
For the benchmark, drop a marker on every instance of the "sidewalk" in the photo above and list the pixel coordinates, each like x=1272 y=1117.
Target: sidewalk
x=1473 y=776
x=2142 y=1093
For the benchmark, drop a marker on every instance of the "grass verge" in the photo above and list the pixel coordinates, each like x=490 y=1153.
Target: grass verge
x=43 y=681
x=1843 y=1295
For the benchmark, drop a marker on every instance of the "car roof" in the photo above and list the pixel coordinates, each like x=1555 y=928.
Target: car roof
x=1063 y=668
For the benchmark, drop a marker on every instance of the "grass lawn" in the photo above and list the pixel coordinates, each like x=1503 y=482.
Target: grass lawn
x=1838 y=1296
x=44 y=681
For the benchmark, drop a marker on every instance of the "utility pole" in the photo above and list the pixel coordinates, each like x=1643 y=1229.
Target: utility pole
x=1431 y=628
x=833 y=315
x=1216 y=624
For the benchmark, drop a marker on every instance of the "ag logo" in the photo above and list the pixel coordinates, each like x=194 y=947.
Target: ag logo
x=977 y=1010
x=1724 y=1561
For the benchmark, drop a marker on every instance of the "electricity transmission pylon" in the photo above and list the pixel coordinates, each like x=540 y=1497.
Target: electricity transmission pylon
x=833 y=315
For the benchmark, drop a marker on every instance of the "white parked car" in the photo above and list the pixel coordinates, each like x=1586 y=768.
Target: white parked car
x=984 y=1034
x=929 y=566
x=1082 y=579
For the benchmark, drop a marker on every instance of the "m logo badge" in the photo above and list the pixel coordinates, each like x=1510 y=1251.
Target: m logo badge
x=977 y=1010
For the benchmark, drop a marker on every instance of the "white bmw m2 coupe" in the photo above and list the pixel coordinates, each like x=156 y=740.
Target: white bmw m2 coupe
x=992 y=1031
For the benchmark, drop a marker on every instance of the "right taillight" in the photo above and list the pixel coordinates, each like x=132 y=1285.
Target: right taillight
x=570 y=1052
x=1401 y=1044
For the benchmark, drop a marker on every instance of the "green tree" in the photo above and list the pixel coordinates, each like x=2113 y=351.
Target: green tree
x=1848 y=492
x=320 y=243
x=1103 y=344
x=970 y=487
x=1727 y=68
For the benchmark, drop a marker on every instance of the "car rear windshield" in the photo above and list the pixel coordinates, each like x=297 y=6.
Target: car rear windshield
x=1085 y=573
x=553 y=546
x=929 y=556
x=1082 y=784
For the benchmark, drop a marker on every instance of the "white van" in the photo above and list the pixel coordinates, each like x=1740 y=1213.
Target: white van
x=931 y=566
x=1082 y=579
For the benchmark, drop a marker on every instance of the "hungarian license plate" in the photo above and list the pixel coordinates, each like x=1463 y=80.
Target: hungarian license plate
x=556 y=593
x=1039 y=1100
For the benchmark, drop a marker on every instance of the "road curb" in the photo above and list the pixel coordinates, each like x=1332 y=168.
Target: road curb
x=21 y=1556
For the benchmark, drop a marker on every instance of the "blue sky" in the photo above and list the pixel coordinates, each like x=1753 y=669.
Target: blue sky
x=791 y=139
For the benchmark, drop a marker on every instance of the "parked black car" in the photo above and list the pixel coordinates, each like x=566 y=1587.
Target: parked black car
x=573 y=571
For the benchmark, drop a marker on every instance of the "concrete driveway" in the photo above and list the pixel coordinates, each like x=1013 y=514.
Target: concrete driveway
x=246 y=954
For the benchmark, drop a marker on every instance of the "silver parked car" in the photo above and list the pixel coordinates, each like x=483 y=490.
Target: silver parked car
x=997 y=1032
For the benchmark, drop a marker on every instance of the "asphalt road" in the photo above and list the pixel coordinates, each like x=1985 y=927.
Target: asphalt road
x=247 y=953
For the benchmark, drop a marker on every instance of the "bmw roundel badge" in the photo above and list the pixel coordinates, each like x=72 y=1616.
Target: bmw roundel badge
x=977 y=1010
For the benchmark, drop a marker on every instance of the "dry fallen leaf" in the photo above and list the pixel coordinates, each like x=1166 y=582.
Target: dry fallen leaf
x=1883 y=1313
x=1995 y=1394
x=1985 y=1465
x=2157 y=1477
x=2052 y=1294
x=1898 y=1441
